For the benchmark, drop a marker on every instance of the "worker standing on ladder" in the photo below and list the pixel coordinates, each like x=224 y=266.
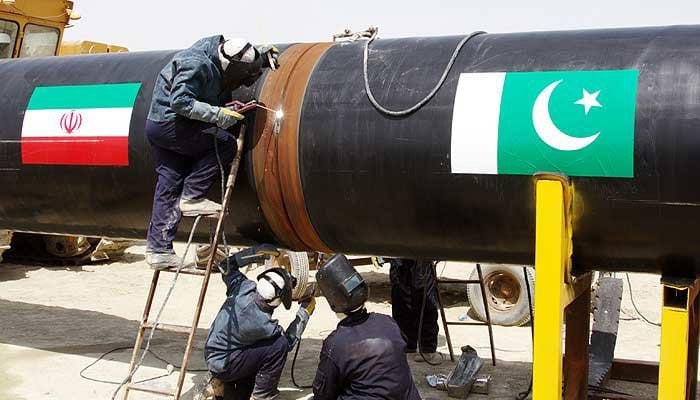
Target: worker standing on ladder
x=410 y=280
x=185 y=121
x=246 y=349
x=364 y=357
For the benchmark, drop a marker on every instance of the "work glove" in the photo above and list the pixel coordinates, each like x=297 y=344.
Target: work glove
x=255 y=254
x=226 y=118
x=308 y=305
x=297 y=327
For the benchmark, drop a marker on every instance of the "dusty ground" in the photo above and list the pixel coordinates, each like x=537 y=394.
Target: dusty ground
x=56 y=321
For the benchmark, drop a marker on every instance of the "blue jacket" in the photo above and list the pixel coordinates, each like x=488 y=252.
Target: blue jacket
x=243 y=320
x=193 y=76
x=364 y=358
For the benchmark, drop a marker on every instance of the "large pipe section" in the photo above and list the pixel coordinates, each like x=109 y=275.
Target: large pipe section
x=342 y=176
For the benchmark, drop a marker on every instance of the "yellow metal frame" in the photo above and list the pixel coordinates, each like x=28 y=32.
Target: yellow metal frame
x=558 y=294
x=678 y=364
x=51 y=14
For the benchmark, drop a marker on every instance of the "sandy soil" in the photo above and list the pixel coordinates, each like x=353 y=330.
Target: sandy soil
x=56 y=321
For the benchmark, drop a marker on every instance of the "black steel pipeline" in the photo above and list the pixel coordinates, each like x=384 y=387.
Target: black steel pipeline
x=360 y=182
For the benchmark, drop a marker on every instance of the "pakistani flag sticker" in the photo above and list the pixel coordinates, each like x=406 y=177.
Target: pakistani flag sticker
x=579 y=123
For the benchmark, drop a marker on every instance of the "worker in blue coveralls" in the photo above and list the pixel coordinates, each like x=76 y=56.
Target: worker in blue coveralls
x=246 y=349
x=187 y=124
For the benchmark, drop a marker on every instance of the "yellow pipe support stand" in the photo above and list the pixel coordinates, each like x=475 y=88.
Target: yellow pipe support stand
x=556 y=292
x=678 y=364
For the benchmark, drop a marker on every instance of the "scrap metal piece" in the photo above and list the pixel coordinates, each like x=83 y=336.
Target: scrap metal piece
x=437 y=381
x=606 y=316
x=461 y=379
x=481 y=385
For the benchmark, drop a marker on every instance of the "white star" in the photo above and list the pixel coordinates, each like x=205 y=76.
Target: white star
x=589 y=100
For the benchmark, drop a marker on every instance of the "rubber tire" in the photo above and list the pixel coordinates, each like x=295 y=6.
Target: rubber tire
x=299 y=261
x=520 y=313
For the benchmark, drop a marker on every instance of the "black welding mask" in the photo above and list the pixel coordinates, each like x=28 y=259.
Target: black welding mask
x=342 y=285
x=242 y=70
x=282 y=287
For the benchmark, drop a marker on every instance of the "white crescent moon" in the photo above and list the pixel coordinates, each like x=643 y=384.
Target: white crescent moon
x=548 y=132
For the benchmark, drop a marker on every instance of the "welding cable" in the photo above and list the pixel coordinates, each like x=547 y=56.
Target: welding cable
x=523 y=395
x=629 y=284
x=105 y=354
x=294 y=361
x=160 y=311
x=426 y=99
x=422 y=314
x=223 y=195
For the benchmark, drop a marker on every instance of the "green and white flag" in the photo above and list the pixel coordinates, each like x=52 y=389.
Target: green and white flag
x=579 y=123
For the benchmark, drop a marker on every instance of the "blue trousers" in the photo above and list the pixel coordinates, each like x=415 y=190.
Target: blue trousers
x=255 y=370
x=186 y=165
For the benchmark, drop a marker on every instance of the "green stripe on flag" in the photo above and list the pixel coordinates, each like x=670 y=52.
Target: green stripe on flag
x=580 y=123
x=113 y=95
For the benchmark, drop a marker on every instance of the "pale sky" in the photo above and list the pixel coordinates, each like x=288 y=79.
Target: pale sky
x=160 y=24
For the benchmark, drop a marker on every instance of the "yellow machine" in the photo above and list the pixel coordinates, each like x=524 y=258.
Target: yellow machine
x=31 y=28
x=34 y=28
x=89 y=47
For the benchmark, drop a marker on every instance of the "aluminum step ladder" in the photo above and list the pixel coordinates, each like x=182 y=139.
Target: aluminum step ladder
x=190 y=330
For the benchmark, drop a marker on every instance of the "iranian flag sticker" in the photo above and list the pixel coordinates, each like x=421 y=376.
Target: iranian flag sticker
x=79 y=125
x=579 y=123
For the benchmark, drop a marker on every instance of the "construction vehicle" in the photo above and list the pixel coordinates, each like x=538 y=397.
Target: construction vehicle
x=30 y=28
x=33 y=28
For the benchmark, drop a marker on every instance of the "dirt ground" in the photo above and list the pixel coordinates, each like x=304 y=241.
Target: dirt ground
x=56 y=321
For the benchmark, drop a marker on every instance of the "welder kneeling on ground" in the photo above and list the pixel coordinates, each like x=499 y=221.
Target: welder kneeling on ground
x=364 y=358
x=186 y=124
x=247 y=348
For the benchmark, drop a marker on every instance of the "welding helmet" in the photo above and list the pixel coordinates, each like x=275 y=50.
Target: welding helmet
x=241 y=62
x=275 y=285
x=342 y=285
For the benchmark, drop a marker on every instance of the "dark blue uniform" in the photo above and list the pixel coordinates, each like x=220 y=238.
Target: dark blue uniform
x=182 y=136
x=408 y=280
x=364 y=359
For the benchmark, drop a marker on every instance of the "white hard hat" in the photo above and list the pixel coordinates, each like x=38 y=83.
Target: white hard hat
x=231 y=47
x=268 y=292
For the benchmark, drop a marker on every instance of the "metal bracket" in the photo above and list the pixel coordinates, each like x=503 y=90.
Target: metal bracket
x=680 y=325
x=559 y=296
x=606 y=318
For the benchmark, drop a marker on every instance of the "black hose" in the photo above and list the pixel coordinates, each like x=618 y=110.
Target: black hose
x=105 y=354
x=294 y=361
x=647 y=320
x=426 y=99
x=523 y=395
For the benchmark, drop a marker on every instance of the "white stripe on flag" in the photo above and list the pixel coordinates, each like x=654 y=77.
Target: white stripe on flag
x=95 y=122
x=474 y=148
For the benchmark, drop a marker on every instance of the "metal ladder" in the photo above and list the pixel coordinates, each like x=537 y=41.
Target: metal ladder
x=446 y=323
x=191 y=330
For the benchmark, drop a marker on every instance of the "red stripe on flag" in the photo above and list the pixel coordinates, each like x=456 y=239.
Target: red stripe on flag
x=98 y=150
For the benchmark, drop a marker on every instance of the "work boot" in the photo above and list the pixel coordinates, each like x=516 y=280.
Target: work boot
x=195 y=207
x=160 y=261
x=433 y=358
x=203 y=253
x=213 y=389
